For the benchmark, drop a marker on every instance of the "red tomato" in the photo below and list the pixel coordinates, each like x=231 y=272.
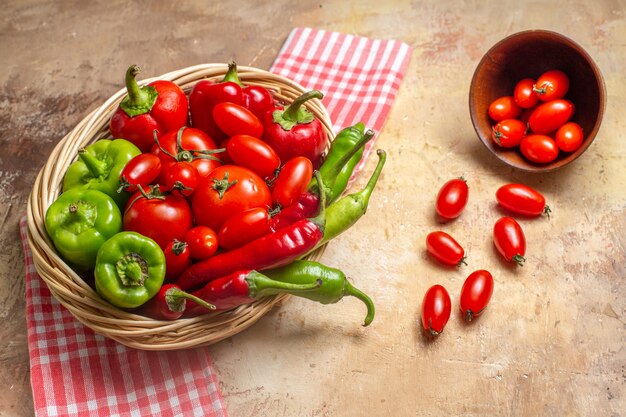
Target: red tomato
x=549 y=116
x=202 y=242
x=177 y=259
x=228 y=190
x=552 y=85
x=569 y=137
x=161 y=217
x=293 y=180
x=452 y=198
x=234 y=119
x=443 y=247
x=254 y=154
x=140 y=171
x=524 y=94
x=539 y=148
x=180 y=178
x=508 y=133
x=436 y=309
x=187 y=145
x=476 y=293
x=504 y=108
x=244 y=227
x=522 y=199
x=509 y=239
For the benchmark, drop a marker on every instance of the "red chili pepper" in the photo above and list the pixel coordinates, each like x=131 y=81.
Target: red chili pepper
x=307 y=206
x=269 y=251
x=160 y=105
x=170 y=303
x=294 y=131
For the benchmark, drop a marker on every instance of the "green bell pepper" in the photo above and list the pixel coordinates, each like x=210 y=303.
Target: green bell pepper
x=79 y=221
x=99 y=167
x=130 y=269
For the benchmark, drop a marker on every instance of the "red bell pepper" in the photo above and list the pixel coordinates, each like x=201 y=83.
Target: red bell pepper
x=294 y=131
x=161 y=106
x=256 y=98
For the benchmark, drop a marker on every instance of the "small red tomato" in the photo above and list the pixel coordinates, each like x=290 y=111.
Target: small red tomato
x=202 y=242
x=234 y=119
x=476 y=293
x=524 y=95
x=177 y=259
x=569 y=137
x=508 y=133
x=452 y=198
x=551 y=85
x=522 y=199
x=254 y=154
x=549 y=116
x=140 y=171
x=293 y=180
x=539 y=148
x=504 y=108
x=180 y=178
x=244 y=227
x=436 y=309
x=509 y=239
x=443 y=247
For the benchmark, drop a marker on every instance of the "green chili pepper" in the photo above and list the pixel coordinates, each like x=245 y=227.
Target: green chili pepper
x=130 y=269
x=99 y=167
x=79 y=222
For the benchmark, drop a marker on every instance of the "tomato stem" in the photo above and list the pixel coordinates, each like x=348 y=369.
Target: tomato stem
x=518 y=259
x=547 y=211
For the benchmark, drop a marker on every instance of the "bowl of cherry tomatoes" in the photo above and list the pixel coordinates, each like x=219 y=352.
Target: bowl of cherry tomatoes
x=537 y=100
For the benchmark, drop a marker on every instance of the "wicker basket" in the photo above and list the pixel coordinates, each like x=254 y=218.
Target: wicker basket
x=77 y=296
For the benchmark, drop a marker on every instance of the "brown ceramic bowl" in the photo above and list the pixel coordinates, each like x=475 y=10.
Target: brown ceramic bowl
x=529 y=54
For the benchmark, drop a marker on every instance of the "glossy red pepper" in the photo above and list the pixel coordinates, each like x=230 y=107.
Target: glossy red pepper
x=170 y=303
x=294 y=131
x=256 y=98
x=161 y=106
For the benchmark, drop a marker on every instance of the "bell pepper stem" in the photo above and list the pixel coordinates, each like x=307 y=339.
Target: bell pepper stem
x=355 y=292
x=260 y=285
x=232 y=75
x=292 y=111
x=139 y=99
x=96 y=167
x=295 y=113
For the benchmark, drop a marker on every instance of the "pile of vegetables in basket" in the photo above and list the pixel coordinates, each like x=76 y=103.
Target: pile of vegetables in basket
x=210 y=201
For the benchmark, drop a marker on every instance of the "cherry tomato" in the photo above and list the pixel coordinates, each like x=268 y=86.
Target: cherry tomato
x=177 y=259
x=180 y=178
x=443 y=247
x=228 y=190
x=234 y=119
x=452 y=198
x=244 y=227
x=524 y=94
x=254 y=154
x=504 y=108
x=522 y=199
x=569 y=137
x=293 y=180
x=509 y=239
x=539 y=148
x=551 y=85
x=161 y=217
x=549 y=116
x=508 y=133
x=476 y=293
x=140 y=171
x=202 y=242
x=436 y=309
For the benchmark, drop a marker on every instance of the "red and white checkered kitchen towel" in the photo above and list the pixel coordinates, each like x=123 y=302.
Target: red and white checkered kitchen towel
x=75 y=372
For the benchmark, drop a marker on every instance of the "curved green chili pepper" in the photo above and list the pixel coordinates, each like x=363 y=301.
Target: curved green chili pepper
x=99 y=167
x=130 y=269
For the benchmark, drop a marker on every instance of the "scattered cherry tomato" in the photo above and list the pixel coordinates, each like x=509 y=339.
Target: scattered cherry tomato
x=254 y=154
x=539 y=148
x=177 y=259
x=180 y=178
x=140 y=171
x=524 y=94
x=476 y=293
x=293 y=180
x=504 y=108
x=244 y=227
x=436 y=309
x=509 y=239
x=508 y=133
x=552 y=85
x=234 y=119
x=522 y=199
x=445 y=248
x=452 y=198
x=202 y=242
x=549 y=116
x=569 y=137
